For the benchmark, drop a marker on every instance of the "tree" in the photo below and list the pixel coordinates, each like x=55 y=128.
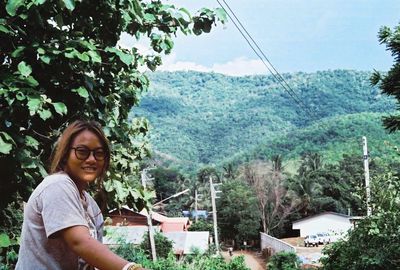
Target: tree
x=389 y=83
x=59 y=61
x=238 y=214
x=373 y=243
x=275 y=201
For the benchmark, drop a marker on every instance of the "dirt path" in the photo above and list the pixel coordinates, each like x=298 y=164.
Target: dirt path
x=252 y=261
x=308 y=255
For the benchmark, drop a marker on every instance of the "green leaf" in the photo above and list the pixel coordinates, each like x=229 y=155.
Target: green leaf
x=60 y=108
x=45 y=114
x=69 y=4
x=31 y=142
x=72 y=53
x=95 y=56
x=81 y=91
x=24 y=69
x=5 y=148
x=45 y=59
x=4 y=240
x=13 y=5
x=125 y=58
x=33 y=105
x=31 y=81
x=221 y=15
x=41 y=51
x=4 y=29
x=83 y=56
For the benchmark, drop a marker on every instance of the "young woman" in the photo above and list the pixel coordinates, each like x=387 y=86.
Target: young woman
x=62 y=226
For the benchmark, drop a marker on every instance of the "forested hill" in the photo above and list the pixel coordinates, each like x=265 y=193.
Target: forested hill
x=208 y=117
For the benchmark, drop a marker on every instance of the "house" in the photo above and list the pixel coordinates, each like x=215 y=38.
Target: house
x=130 y=227
x=185 y=242
x=128 y=217
x=115 y=235
x=324 y=222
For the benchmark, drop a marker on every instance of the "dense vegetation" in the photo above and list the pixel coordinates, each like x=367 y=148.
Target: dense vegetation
x=374 y=243
x=193 y=261
x=60 y=61
x=216 y=116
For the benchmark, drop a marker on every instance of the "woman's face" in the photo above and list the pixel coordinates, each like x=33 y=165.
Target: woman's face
x=86 y=158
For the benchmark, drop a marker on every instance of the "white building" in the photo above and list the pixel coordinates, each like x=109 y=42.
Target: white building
x=330 y=222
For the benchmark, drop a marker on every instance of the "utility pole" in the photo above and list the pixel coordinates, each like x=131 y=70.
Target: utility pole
x=213 y=197
x=366 y=173
x=144 y=177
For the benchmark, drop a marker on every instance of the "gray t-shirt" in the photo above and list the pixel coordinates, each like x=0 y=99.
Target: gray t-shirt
x=53 y=206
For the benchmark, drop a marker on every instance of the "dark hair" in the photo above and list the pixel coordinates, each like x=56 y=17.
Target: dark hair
x=60 y=153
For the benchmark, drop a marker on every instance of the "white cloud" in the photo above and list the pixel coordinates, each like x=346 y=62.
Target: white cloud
x=238 y=67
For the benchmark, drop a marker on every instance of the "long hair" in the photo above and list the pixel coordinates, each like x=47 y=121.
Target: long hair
x=60 y=154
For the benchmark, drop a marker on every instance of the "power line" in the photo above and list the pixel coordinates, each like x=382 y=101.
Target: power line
x=278 y=77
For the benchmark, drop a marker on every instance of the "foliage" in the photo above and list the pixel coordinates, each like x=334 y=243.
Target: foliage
x=163 y=245
x=275 y=201
x=252 y=117
x=193 y=261
x=166 y=182
x=334 y=187
x=374 y=242
x=238 y=214
x=284 y=261
x=8 y=251
x=202 y=226
x=60 y=61
x=390 y=81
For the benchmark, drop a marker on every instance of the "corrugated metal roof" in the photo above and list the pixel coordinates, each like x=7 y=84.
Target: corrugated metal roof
x=187 y=241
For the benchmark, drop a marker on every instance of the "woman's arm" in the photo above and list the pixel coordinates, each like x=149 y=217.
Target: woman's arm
x=91 y=250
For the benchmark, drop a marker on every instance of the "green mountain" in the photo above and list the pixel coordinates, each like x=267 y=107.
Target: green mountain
x=211 y=118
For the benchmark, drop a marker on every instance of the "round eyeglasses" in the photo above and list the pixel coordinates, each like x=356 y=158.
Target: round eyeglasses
x=83 y=153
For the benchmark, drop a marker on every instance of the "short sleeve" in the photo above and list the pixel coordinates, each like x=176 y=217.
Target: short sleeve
x=61 y=207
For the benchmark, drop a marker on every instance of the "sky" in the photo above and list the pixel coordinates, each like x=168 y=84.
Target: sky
x=295 y=35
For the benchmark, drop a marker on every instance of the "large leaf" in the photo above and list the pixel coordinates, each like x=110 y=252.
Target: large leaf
x=4 y=240
x=32 y=142
x=95 y=56
x=81 y=91
x=60 y=108
x=5 y=148
x=33 y=104
x=45 y=114
x=13 y=5
x=24 y=69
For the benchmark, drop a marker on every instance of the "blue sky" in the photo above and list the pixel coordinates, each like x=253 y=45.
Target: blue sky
x=295 y=35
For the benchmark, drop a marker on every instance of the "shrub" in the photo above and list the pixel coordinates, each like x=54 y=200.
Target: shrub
x=284 y=261
x=163 y=245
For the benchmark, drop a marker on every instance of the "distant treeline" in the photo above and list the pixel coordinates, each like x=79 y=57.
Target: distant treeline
x=208 y=118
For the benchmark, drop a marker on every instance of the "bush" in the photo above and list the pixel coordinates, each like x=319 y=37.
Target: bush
x=195 y=261
x=284 y=261
x=375 y=242
x=163 y=245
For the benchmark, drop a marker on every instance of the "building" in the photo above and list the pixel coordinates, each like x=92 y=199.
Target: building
x=186 y=242
x=128 y=217
x=324 y=222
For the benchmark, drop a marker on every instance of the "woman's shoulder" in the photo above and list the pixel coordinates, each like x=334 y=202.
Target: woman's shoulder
x=55 y=181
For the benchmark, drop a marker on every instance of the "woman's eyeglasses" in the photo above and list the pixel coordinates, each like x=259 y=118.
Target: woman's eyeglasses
x=83 y=153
